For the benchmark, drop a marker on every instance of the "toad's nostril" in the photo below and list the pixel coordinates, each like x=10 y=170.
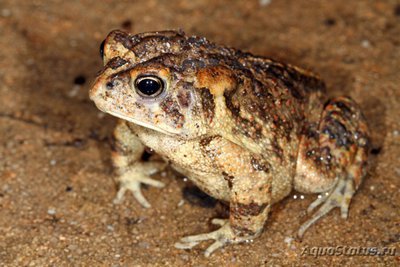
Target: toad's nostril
x=113 y=83
x=110 y=85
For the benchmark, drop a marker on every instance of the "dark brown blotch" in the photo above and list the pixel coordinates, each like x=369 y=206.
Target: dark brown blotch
x=184 y=98
x=337 y=131
x=298 y=83
x=249 y=128
x=124 y=39
x=345 y=109
x=288 y=77
x=277 y=148
x=242 y=231
x=171 y=109
x=192 y=64
x=207 y=101
x=251 y=209
x=310 y=130
x=325 y=156
x=207 y=140
x=116 y=62
x=259 y=165
x=228 y=178
x=231 y=103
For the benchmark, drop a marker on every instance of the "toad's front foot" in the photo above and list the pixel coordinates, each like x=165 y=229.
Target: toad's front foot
x=222 y=236
x=340 y=196
x=136 y=175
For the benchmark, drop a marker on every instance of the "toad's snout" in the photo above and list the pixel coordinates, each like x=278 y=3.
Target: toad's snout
x=96 y=89
x=97 y=94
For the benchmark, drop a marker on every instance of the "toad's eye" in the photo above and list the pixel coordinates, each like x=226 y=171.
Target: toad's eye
x=149 y=86
x=102 y=49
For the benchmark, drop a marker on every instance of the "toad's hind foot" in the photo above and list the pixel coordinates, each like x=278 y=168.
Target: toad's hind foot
x=340 y=196
x=222 y=237
x=137 y=175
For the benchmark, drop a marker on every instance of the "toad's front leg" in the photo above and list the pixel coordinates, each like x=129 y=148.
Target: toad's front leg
x=250 y=198
x=131 y=171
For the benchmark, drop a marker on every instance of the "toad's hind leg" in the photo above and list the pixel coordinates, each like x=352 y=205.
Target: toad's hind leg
x=332 y=158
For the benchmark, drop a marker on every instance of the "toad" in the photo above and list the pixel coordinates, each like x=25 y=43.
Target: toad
x=245 y=129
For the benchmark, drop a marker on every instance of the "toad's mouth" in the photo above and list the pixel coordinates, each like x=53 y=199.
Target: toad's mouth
x=143 y=124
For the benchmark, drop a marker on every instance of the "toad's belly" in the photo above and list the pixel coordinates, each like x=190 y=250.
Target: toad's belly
x=219 y=187
x=211 y=183
x=188 y=157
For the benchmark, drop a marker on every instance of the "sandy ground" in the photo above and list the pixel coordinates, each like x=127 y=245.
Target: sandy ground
x=56 y=183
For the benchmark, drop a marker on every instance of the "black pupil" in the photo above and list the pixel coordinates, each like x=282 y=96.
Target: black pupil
x=149 y=86
x=102 y=49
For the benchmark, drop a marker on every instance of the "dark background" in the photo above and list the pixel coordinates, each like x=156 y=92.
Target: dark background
x=56 y=185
